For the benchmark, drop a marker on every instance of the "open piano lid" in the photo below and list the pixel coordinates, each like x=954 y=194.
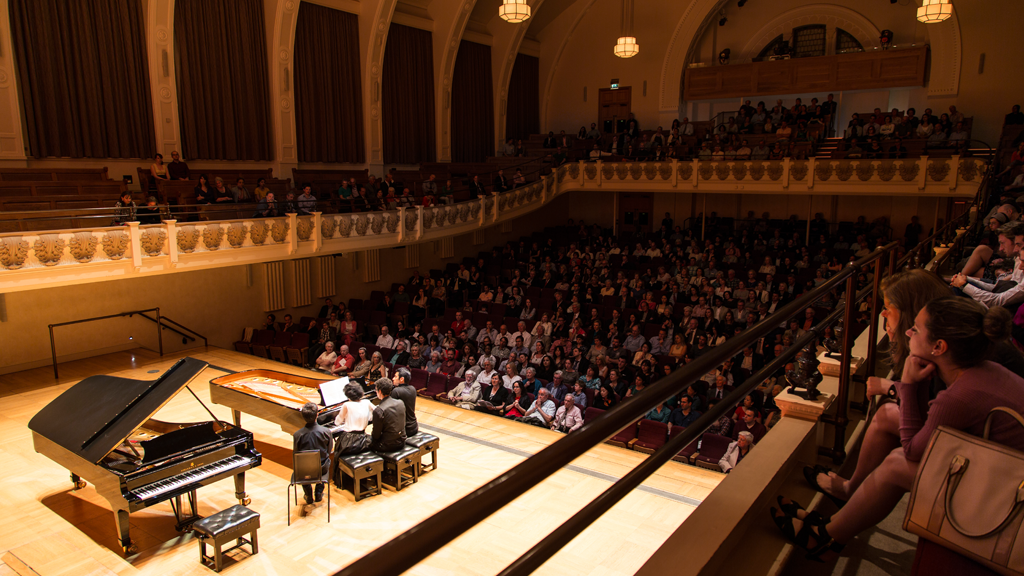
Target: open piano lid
x=96 y=415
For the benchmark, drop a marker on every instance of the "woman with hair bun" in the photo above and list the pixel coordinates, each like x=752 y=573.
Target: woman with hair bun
x=951 y=339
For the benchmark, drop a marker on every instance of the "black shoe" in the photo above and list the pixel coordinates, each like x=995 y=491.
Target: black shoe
x=308 y=501
x=319 y=497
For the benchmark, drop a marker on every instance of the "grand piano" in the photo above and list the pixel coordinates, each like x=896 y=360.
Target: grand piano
x=102 y=430
x=274 y=396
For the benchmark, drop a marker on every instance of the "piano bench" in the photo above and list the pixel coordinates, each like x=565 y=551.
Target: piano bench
x=401 y=467
x=226 y=525
x=366 y=466
x=427 y=445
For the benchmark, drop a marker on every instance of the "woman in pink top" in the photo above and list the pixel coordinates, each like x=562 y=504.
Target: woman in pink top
x=950 y=339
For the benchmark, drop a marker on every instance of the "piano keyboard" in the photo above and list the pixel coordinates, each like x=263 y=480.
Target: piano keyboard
x=191 y=477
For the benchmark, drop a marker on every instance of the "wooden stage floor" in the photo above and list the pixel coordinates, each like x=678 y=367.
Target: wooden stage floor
x=49 y=529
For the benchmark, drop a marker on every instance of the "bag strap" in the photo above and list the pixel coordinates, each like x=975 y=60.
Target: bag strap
x=1010 y=412
x=957 y=467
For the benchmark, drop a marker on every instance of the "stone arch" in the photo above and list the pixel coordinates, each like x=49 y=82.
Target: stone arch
x=944 y=41
x=443 y=81
x=505 y=76
x=554 y=68
x=830 y=15
x=282 y=83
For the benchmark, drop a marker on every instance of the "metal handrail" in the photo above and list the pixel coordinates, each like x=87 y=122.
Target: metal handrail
x=167 y=320
x=415 y=544
x=159 y=320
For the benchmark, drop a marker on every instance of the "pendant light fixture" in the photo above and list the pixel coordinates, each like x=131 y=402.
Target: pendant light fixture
x=934 y=11
x=514 y=11
x=626 y=46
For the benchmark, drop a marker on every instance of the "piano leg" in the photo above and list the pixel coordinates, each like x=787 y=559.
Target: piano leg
x=184 y=523
x=77 y=481
x=121 y=521
x=236 y=415
x=240 y=489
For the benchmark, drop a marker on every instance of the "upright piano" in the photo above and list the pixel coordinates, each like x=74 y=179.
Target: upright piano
x=273 y=396
x=102 y=430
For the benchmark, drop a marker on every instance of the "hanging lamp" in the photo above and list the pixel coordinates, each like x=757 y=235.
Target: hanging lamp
x=626 y=46
x=934 y=11
x=514 y=11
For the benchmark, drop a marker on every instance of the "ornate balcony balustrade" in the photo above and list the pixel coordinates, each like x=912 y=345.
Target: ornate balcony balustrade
x=56 y=258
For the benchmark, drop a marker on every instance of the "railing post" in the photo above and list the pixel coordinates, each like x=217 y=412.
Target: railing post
x=159 y=332
x=812 y=163
x=293 y=233
x=599 y=171
x=838 y=450
x=785 y=172
x=419 y=222
x=694 y=174
x=873 y=328
x=53 y=353
x=172 y=240
x=318 y=239
x=135 y=238
x=922 y=172
x=675 y=172
x=954 y=173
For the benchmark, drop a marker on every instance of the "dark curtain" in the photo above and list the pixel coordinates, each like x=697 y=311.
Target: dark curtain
x=328 y=86
x=522 y=110
x=83 y=78
x=221 y=64
x=472 y=104
x=407 y=96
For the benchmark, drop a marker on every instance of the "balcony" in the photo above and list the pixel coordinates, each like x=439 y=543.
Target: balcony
x=58 y=258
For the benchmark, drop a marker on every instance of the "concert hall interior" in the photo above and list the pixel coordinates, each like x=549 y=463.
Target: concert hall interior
x=707 y=235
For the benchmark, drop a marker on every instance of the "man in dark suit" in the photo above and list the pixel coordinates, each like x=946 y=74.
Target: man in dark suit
x=720 y=390
x=746 y=363
x=288 y=325
x=313 y=436
x=550 y=141
x=500 y=184
x=388 y=419
x=327 y=309
x=476 y=188
x=405 y=392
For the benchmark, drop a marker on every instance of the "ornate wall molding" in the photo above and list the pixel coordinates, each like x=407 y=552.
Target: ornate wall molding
x=163 y=85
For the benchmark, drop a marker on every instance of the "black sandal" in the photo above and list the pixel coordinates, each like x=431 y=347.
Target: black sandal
x=812 y=521
x=789 y=508
x=811 y=475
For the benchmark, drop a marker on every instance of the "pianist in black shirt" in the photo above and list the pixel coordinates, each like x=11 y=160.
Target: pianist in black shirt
x=405 y=392
x=388 y=419
x=313 y=436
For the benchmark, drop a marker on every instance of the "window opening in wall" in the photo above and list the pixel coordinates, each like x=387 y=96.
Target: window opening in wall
x=809 y=41
x=846 y=43
x=769 y=49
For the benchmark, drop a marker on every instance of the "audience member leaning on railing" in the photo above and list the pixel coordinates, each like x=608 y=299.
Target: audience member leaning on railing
x=948 y=343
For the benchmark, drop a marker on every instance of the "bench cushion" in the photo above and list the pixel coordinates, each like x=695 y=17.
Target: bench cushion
x=423 y=439
x=356 y=461
x=401 y=453
x=237 y=516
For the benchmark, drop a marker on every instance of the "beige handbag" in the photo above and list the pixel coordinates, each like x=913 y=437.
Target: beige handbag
x=968 y=497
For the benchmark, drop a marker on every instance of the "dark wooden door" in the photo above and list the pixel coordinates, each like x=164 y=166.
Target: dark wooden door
x=613 y=109
x=636 y=213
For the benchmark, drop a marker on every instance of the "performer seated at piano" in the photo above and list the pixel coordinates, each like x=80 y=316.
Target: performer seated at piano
x=353 y=417
x=326 y=360
x=405 y=392
x=377 y=368
x=343 y=363
x=388 y=419
x=313 y=436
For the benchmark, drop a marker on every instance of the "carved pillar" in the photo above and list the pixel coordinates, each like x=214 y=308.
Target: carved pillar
x=922 y=172
x=163 y=85
x=293 y=233
x=282 y=84
x=12 y=141
x=954 y=173
x=318 y=238
x=172 y=240
x=371 y=269
x=135 y=239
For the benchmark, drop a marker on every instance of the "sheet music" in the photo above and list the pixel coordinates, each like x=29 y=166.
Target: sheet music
x=333 y=392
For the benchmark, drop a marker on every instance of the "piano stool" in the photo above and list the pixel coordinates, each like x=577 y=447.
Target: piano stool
x=427 y=445
x=401 y=467
x=363 y=466
x=226 y=525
